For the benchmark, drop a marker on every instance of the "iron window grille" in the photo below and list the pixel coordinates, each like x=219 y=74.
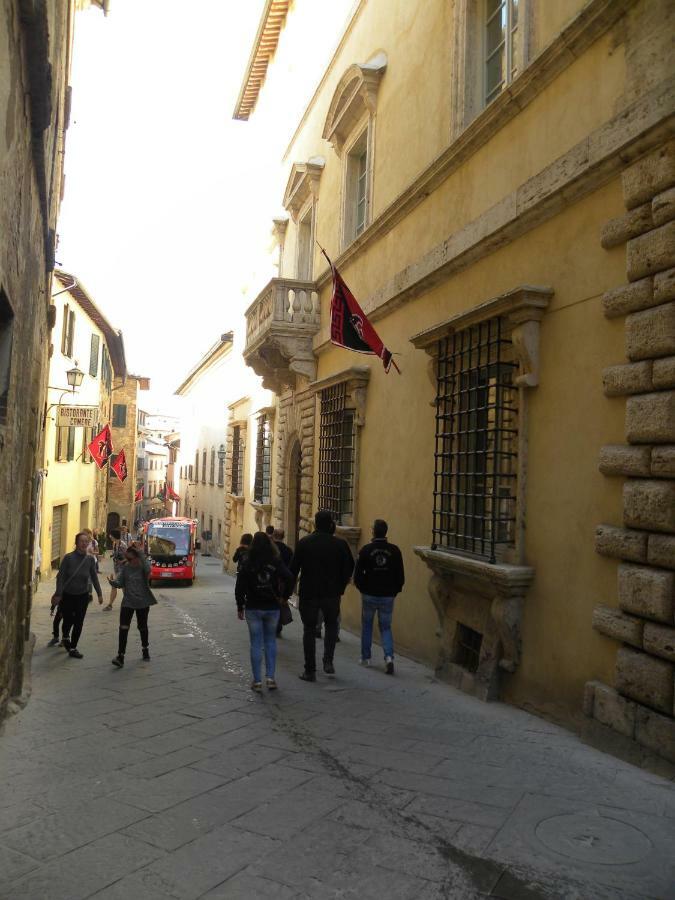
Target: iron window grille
x=336 y=453
x=476 y=441
x=237 y=461
x=262 y=491
x=212 y=466
x=203 y=466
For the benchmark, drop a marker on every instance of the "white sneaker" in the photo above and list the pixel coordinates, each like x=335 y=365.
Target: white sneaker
x=364 y=662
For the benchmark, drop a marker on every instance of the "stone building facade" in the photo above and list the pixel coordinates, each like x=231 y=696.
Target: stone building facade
x=35 y=54
x=126 y=433
x=641 y=704
x=454 y=165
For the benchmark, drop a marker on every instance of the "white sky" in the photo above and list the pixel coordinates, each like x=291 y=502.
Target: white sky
x=158 y=219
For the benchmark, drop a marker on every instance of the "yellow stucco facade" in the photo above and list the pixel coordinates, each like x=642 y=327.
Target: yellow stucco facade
x=465 y=205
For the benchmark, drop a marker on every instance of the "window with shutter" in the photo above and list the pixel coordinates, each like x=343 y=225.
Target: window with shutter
x=93 y=355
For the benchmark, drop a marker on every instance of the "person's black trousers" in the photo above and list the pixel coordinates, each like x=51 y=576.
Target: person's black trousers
x=58 y=618
x=309 y=613
x=126 y=615
x=73 y=608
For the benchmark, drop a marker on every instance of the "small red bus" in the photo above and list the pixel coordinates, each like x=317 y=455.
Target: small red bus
x=170 y=546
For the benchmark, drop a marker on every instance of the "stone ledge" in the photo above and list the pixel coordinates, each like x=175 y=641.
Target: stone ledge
x=646 y=591
x=650 y=333
x=661 y=550
x=615 y=624
x=649 y=176
x=645 y=678
x=655 y=732
x=629 y=378
x=621 y=543
x=650 y=418
x=663 y=372
x=622 y=459
x=663 y=207
x=651 y=252
x=633 y=223
x=663 y=461
x=628 y=298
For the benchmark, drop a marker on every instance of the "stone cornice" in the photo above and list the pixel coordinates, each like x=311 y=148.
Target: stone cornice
x=506 y=580
x=357 y=375
x=303 y=183
x=590 y=24
x=355 y=94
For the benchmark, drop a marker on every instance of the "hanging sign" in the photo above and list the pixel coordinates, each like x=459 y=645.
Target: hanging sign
x=77 y=416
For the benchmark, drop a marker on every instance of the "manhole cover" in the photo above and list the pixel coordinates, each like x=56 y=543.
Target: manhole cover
x=593 y=839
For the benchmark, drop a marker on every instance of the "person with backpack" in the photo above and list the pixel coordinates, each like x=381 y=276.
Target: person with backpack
x=262 y=581
x=134 y=579
x=380 y=577
x=241 y=552
x=118 y=556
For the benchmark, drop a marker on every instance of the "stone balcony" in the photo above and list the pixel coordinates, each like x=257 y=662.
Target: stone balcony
x=280 y=325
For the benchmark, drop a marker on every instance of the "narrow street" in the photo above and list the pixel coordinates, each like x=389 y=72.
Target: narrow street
x=170 y=779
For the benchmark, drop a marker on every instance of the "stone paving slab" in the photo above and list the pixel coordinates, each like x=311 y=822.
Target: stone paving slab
x=170 y=779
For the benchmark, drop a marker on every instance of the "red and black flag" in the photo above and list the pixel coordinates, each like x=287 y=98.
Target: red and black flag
x=170 y=493
x=119 y=466
x=349 y=325
x=138 y=496
x=101 y=447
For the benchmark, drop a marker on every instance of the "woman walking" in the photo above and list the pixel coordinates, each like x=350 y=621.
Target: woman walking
x=119 y=549
x=138 y=598
x=261 y=583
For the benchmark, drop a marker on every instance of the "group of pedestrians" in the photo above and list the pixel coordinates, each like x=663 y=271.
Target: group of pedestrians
x=76 y=580
x=324 y=565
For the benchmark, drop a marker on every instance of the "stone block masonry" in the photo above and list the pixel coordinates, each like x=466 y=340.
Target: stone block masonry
x=641 y=705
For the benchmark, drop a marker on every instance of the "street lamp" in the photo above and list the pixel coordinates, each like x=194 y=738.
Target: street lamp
x=222 y=453
x=74 y=377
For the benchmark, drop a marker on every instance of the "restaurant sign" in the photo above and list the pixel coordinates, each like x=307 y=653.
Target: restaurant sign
x=77 y=416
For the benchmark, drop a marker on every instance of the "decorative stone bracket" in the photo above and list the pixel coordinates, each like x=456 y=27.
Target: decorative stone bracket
x=356 y=381
x=262 y=514
x=303 y=183
x=486 y=597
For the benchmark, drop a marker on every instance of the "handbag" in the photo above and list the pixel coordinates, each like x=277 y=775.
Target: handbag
x=285 y=614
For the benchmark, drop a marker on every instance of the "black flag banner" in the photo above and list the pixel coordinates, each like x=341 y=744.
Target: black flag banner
x=349 y=325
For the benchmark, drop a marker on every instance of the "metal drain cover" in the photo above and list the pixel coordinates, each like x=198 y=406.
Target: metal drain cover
x=592 y=838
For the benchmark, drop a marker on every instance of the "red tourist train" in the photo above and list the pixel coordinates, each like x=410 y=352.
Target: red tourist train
x=170 y=545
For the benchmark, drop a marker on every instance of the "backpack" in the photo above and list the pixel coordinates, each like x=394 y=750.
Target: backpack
x=264 y=583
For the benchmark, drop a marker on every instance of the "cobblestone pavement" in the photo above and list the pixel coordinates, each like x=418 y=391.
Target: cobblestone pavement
x=171 y=779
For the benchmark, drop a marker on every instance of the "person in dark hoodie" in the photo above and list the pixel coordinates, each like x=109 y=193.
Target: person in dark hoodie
x=325 y=565
x=380 y=577
x=76 y=573
x=262 y=581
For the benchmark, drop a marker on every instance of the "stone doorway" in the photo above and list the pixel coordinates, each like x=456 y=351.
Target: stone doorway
x=294 y=494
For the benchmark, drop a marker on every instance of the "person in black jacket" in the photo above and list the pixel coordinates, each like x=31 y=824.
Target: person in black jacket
x=325 y=565
x=262 y=581
x=379 y=576
x=286 y=555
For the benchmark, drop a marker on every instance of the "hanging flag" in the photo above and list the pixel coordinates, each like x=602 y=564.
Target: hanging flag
x=101 y=447
x=170 y=493
x=349 y=325
x=138 y=496
x=119 y=466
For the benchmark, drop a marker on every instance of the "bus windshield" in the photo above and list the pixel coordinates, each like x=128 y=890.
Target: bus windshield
x=168 y=539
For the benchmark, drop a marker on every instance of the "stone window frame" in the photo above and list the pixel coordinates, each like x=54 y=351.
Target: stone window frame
x=356 y=380
x=467 y=76
x=351 y=116
x=300 y=201
x=263 y=508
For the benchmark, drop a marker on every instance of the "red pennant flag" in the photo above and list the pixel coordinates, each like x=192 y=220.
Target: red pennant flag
x=170 y=493
x=101 y=447
x=349 y=325
x=138 y=496
x=119 y=466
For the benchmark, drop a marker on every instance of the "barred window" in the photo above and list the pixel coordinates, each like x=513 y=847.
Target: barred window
x=196 y=465
x=221 y=470
x=212 y=466
x=263 y=462
x=203 y=466
x=336 y=453
x=476 y=441
x=237 y=461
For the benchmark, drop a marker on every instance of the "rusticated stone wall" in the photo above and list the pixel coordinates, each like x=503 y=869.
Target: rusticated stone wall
x=641 y=705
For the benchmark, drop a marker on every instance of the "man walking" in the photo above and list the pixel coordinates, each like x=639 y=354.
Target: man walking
x=325 y=565
x=379 y=576
x=76 y=572
x=286 y=555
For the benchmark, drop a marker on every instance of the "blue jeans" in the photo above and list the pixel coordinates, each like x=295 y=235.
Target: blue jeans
x=384 y=607
x=262 y=629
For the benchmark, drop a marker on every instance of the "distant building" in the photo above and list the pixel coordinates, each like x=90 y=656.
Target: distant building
x=74 y=490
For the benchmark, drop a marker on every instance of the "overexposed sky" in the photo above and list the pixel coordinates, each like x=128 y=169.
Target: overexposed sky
x=158 y=220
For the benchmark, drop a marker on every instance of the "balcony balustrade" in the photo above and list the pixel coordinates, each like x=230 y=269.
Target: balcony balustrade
x=280 y=325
